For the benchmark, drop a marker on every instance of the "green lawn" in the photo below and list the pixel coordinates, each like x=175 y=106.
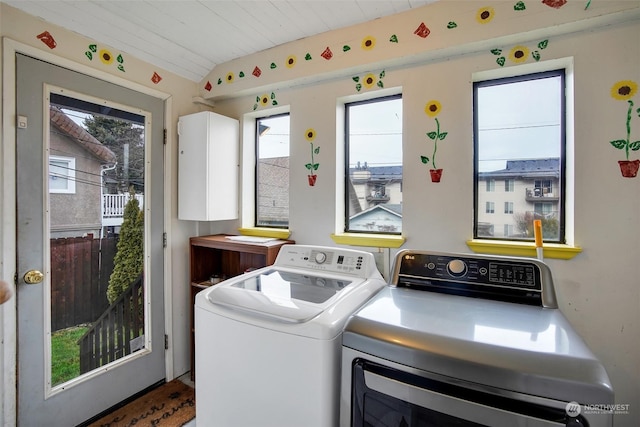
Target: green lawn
x=65 y=354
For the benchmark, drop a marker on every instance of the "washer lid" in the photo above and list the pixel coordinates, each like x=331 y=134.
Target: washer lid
x=283 y=295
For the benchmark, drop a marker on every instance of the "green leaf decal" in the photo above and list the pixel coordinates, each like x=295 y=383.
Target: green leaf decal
x=93 y=48
x=424 y=159
x=241 y=74
x=619 y=143
x=382 y=74
x=308 y=166
x=317 y=150
x=257 y=99
x=89 y=55
x=255 y=107
x=536 y=55
x=219 y=81
x=355 y=79
x=308 y=57
x=519 y=6
x=273 y=95
x=496 y=51
x=346 y=48
x=380 y=84
x=432 y=135
x=635 y=145
x=394 y=39
x=443 y=135
x=316 y=166
x=358 y=87
x=543 y=44
x=120 y=59
x=452 y=25
x=121 y=68
x=274 y=102
x=500 y=61
x=273 y=65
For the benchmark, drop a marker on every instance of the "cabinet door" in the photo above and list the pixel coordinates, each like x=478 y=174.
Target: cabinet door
x=208 y=167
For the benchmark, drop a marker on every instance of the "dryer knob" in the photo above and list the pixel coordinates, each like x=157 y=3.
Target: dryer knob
x=457 y=268
x=320 y=257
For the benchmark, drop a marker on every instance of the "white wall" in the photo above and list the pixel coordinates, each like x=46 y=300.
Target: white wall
x=598 y=289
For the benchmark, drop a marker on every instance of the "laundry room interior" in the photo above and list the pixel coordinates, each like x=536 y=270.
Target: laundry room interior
x=213 y=226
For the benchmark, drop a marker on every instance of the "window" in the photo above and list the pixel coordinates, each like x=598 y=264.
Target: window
x=62 y=175
x=272 y=171
x=373 y=163
x=508 y=230
x=490 y=207
x=491 y=185
x=519 y=131
x=508 y=207
x=509 y=185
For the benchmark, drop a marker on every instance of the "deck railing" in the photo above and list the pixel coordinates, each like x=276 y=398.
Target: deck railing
x=113 y=204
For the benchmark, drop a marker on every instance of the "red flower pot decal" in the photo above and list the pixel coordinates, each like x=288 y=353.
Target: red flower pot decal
x=436 y=174
x=629 y=168
x=310 y=135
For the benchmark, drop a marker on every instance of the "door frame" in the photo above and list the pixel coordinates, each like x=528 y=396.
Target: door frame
x=8 y=244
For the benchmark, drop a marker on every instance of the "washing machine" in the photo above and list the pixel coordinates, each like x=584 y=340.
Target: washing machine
x=469 y=340
x=268 y=342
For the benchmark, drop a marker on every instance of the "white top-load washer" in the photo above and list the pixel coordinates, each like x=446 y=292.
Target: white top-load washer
x=268 y=342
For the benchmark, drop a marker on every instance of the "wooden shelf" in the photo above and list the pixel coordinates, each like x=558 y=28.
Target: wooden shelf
x=216 y=254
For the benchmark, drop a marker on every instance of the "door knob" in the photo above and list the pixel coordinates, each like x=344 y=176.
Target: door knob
x=33 y=277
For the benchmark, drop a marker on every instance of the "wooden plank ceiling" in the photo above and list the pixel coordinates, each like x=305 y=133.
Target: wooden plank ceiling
x=190 y=37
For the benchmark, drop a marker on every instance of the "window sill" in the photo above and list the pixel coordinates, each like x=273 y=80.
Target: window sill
x=525 y=249
x=278 y=233
x=370 y=240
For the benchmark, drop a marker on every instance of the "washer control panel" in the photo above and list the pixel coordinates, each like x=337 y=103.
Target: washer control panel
x=490 y=277
x=327 y=259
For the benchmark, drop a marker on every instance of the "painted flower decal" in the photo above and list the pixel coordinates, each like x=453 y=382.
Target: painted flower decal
x=432 y=109
x=368 y=43
x=624 y=90
x=369 y=81
x=291 y=61
x=485 y=15
x=519 y=54
x=105 y=56
x=230 y=77
x=264 y=100
x=310 y=135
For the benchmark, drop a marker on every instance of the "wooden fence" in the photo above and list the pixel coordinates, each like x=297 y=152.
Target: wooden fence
x=79 y=279
x=112 y=335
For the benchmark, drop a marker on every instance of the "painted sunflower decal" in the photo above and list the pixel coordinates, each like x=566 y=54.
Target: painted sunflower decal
x=264 y=100
x=485 y=15
x=291 y=61
x=519 y=54
x=369 y=81
x=368 y=43
x=624 y=90
x=310 y=134
x=433 y=108
x=106 y=57
x=230 y=77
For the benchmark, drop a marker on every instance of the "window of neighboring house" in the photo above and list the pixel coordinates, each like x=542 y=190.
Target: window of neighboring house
x=373 y=162
x=519 y=128
x=491 y=185
x=508 y=207
x=62 y=175
x=508 y=230
x=509 y=185
x=272 y=171
x=490 y=207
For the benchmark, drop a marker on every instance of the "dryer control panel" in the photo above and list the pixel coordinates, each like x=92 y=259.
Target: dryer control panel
x=482 y=276
x=328 y=259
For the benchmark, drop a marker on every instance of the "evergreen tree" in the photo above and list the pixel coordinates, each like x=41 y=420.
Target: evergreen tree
x=128 y=262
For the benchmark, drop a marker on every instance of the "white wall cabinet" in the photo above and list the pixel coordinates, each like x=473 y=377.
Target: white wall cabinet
x=207 y=167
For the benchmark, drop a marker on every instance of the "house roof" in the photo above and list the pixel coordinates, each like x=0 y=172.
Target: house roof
x=77 y=133
x=379 y=172
x=530 y=168
x=391 y=209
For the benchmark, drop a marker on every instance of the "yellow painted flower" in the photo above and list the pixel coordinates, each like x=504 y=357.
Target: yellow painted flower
x=310 y=134
x=105 y=56
x=369 y=81
x=230 y=78
x=485 y=15
x=433 y=108
x=519 y=54
x=264 y=100
x=624 y=90
x=291 y=61
x=368 y=43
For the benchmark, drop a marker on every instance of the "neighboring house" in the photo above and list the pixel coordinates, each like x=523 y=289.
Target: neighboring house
x=273 y=191
x=75 y=177
x=524 y=187
x=382 y=218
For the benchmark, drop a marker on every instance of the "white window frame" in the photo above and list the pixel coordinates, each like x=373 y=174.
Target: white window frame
x=70 y=177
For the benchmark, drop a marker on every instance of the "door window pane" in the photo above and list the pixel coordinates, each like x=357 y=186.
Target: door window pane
x=374 y=164
x=272 y=171
x=519 y=138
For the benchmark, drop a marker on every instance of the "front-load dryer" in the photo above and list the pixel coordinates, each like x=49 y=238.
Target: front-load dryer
x=268 y=343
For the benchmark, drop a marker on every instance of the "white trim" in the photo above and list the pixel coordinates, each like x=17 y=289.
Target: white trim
x=70 y=176
x=8 y=401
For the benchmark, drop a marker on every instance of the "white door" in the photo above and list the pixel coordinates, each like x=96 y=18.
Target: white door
x=89 y=260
